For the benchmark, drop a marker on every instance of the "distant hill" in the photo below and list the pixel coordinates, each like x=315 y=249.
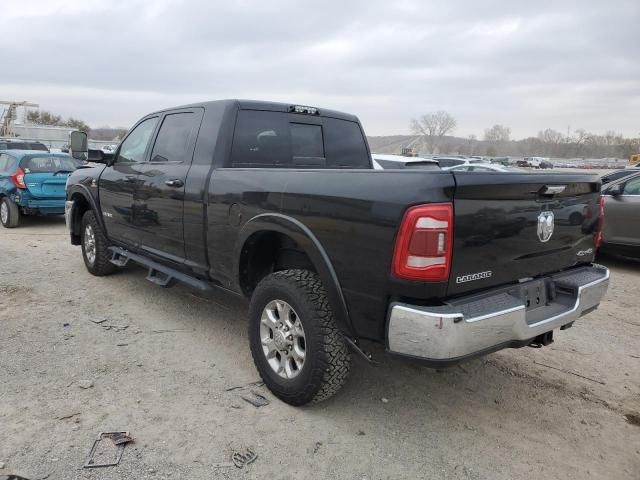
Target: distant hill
x=390 y=144
x=592 y=147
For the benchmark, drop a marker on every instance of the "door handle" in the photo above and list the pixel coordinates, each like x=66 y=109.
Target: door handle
x=176 y=182
x=130 y=179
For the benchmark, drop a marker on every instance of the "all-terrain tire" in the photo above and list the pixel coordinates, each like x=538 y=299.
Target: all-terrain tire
x=12 y=212
x=327 y=361
x=95 y=252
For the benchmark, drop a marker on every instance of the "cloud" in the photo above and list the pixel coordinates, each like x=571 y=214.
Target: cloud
x=529 y=65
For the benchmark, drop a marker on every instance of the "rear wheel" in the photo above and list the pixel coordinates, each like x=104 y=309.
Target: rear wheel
x=95 y=247
x=9 y=213
x=296 y=346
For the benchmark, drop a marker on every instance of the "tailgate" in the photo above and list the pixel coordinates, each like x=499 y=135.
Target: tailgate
x=46 y=185
x=512 y=226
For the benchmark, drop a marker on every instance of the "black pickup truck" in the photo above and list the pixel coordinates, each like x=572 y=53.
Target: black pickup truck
x=280 y=204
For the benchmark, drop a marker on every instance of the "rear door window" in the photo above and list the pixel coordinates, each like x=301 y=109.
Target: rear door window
x=175 y=137
x=261 y=139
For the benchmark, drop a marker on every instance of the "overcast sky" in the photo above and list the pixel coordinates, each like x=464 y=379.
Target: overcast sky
x=528 y=65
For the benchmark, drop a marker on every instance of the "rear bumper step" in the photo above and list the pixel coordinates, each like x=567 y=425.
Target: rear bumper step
x=494 y=319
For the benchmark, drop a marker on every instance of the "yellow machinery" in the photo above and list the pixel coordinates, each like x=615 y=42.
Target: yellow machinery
x=634 y=159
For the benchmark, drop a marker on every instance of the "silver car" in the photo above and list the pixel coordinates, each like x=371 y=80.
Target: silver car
x=621 y=229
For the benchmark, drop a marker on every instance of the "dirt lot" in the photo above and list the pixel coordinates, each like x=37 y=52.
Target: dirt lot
x=163 y=369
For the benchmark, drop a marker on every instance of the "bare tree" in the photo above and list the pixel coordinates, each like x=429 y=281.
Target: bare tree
x=472 y=140
x=431 y=127
x=550 y=136
x=497 y=133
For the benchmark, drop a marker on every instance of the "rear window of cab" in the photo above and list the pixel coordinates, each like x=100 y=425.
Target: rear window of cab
x=264 y=139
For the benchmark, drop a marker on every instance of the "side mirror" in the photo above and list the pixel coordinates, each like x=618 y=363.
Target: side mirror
x=78 y=145
x=615 y=190
x=98 y=156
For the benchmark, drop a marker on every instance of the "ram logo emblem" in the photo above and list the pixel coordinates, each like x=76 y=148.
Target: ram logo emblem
x=545 y=226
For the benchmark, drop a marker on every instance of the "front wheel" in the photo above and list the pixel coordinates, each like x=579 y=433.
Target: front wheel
x=296 y=346
x=95 y=247
x=9 y=213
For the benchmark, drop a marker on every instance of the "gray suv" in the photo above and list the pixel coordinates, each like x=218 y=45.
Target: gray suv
x=621 y=203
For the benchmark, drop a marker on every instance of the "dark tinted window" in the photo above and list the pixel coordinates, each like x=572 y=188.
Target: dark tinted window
x=38 y=146
x=134 y=146
x=47 y=164
x=261 y=139
x=345 y=145
x=615 y=176
x=449 y=162
x=271 y=139
x=632 y=187
x=306 y=140
x=175 y=137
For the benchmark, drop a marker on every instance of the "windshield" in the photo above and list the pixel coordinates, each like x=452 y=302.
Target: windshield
x=47 y=164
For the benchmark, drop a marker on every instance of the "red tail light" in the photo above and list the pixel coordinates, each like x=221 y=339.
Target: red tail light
x=18 y=179
x=598 y=239
x=423 y=246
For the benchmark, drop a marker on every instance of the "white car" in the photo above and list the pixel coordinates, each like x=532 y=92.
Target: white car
x=483 y=167
x=385 y=162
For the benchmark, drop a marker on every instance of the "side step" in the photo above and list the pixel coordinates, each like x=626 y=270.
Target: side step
x=160 y=275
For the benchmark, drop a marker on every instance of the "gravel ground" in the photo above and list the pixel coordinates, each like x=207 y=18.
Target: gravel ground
x=162 y=363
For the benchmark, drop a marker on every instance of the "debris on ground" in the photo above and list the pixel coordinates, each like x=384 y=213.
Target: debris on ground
x=243 y=457
x=316 y=447
x=248 y=385
x=1 y=465
x=98 y=320
x=633 y=419
x=119 y=439
x=255 y=399
x=384 y=400
x=67 y=416
x=85 y=384
x=223 y=465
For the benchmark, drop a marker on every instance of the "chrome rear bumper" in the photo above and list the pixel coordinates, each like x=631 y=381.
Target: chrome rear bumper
x=494 y=319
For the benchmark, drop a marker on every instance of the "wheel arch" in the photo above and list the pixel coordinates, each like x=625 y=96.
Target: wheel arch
x=82 y=202
x=256 y=235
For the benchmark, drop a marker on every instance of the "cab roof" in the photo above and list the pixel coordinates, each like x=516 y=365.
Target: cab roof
x=267 y=106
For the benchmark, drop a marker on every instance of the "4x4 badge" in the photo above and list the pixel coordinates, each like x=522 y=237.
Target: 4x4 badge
x=545 y=226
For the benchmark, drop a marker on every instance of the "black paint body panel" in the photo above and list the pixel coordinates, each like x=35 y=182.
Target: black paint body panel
x=346 y=220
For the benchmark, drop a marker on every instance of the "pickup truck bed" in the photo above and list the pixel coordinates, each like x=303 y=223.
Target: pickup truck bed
x=279 y=203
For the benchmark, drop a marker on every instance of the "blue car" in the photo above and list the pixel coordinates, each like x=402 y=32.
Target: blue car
x=32 y=182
